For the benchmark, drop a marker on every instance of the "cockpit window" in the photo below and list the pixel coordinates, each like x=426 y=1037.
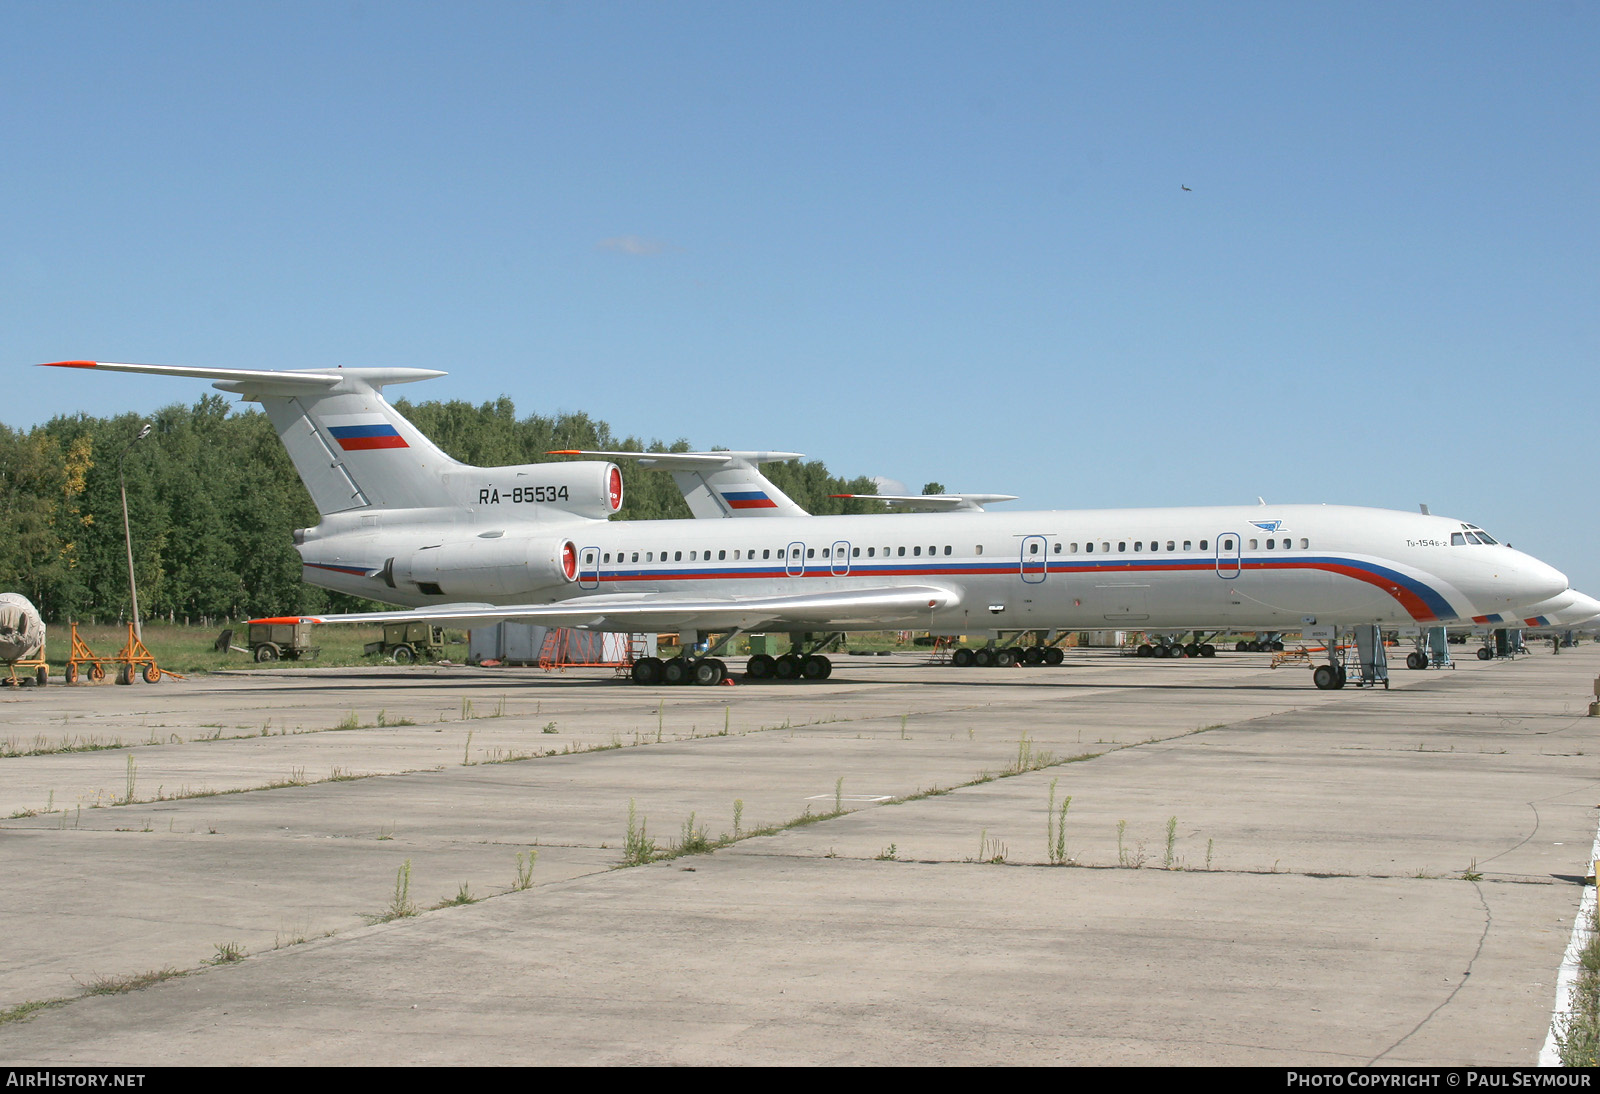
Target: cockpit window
x=1486 y=537
x=1457 y=539
x=1472 y=537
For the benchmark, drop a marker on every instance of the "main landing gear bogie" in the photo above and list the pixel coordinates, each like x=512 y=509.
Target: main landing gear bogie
x=711 y=671
x=1188 y=649
x=1006 y=657
x=707 y=671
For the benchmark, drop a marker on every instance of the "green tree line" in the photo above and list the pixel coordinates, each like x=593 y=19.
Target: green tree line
x=213 y=499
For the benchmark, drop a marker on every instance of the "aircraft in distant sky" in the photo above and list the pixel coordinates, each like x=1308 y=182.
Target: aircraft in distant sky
x=405 y=524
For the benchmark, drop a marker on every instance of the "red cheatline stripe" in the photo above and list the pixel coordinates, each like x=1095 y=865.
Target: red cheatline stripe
x=357 y=444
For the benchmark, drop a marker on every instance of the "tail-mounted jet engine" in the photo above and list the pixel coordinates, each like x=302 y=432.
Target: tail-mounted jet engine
x=588 y=488
x=491 y=565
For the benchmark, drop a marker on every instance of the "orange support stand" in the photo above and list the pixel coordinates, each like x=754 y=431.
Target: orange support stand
x=130 y=657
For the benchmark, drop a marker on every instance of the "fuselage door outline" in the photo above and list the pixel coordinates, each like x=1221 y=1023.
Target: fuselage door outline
x=589 y=568
x=1034 y=562
x=839 y=564
x=1228 y=555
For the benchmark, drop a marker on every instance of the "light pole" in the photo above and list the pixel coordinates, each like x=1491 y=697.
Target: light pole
x=127 y=536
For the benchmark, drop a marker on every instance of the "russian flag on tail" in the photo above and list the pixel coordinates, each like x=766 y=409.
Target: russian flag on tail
x=359 y=437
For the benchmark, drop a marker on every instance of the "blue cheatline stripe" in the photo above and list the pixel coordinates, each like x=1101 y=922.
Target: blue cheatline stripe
x=1432 y=599
x=380 y=429
x=363 y=571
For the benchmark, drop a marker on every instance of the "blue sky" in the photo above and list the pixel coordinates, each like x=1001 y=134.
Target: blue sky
x=927 y=241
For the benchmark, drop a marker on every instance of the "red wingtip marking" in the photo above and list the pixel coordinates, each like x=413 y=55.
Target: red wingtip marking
x=284 y=619
x=68 y=364
x=566 y=452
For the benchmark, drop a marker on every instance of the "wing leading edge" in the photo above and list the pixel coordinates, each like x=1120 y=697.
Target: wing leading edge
x=884 y=606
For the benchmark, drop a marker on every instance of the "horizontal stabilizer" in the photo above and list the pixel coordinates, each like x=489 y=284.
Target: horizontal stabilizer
x=935 y=503
x=686 y=461
x=266 y=380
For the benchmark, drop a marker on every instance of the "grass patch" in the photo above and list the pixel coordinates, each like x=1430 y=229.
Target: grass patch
x=1578 y=1031
x=23 y=1011
x=121 y=985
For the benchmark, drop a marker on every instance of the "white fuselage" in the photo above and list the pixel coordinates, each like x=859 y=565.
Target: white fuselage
x=1255 y=567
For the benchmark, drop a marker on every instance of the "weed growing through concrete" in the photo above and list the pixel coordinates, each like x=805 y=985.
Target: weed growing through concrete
x=525 y=861
x=228 y=953
x=638 y=847
x=1471 y=873
x=133 y=777
x=693 y=841
x=1056 y=828
x=463 y=896
x=838 y=794
x=1168 y=859
x=466 y=752
x=990 y=851
x=738 y=815
x=549 y=727
x=1578 y=1030
x=23 y=1011
x=121 y=985
x=401 y=906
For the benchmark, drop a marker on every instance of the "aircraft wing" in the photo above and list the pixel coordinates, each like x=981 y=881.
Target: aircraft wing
x=884 y=606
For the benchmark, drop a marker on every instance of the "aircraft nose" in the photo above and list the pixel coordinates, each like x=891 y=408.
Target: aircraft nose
x=1535 y=581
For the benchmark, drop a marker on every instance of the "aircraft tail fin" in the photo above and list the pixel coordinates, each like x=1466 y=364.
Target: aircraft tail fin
x=352 y=449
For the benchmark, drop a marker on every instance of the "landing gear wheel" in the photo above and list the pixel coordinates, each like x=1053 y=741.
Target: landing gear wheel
x=1241 y=646
x=1054 y=656
x=1192 y=649
x=787 y=667
x=647 y=670
x=1415 y=660
x=1005 y=659
x=1207 y=650
x=1147 y=650
x=1485 y=653
x=710 y=672
x=1341 y=677
x=760 y=666
x=1324 y=677
x=1033 y=655
x=266 y=652
x=676 y=671
x=1277 y=647
x=962 y=658
x=403 y=654
x=816 y=667
x=983 y=658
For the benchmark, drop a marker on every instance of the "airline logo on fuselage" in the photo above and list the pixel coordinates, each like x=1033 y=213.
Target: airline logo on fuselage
x=1268 y=525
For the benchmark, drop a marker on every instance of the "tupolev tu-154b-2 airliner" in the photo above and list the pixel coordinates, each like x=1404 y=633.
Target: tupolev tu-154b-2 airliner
x=404 y=524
